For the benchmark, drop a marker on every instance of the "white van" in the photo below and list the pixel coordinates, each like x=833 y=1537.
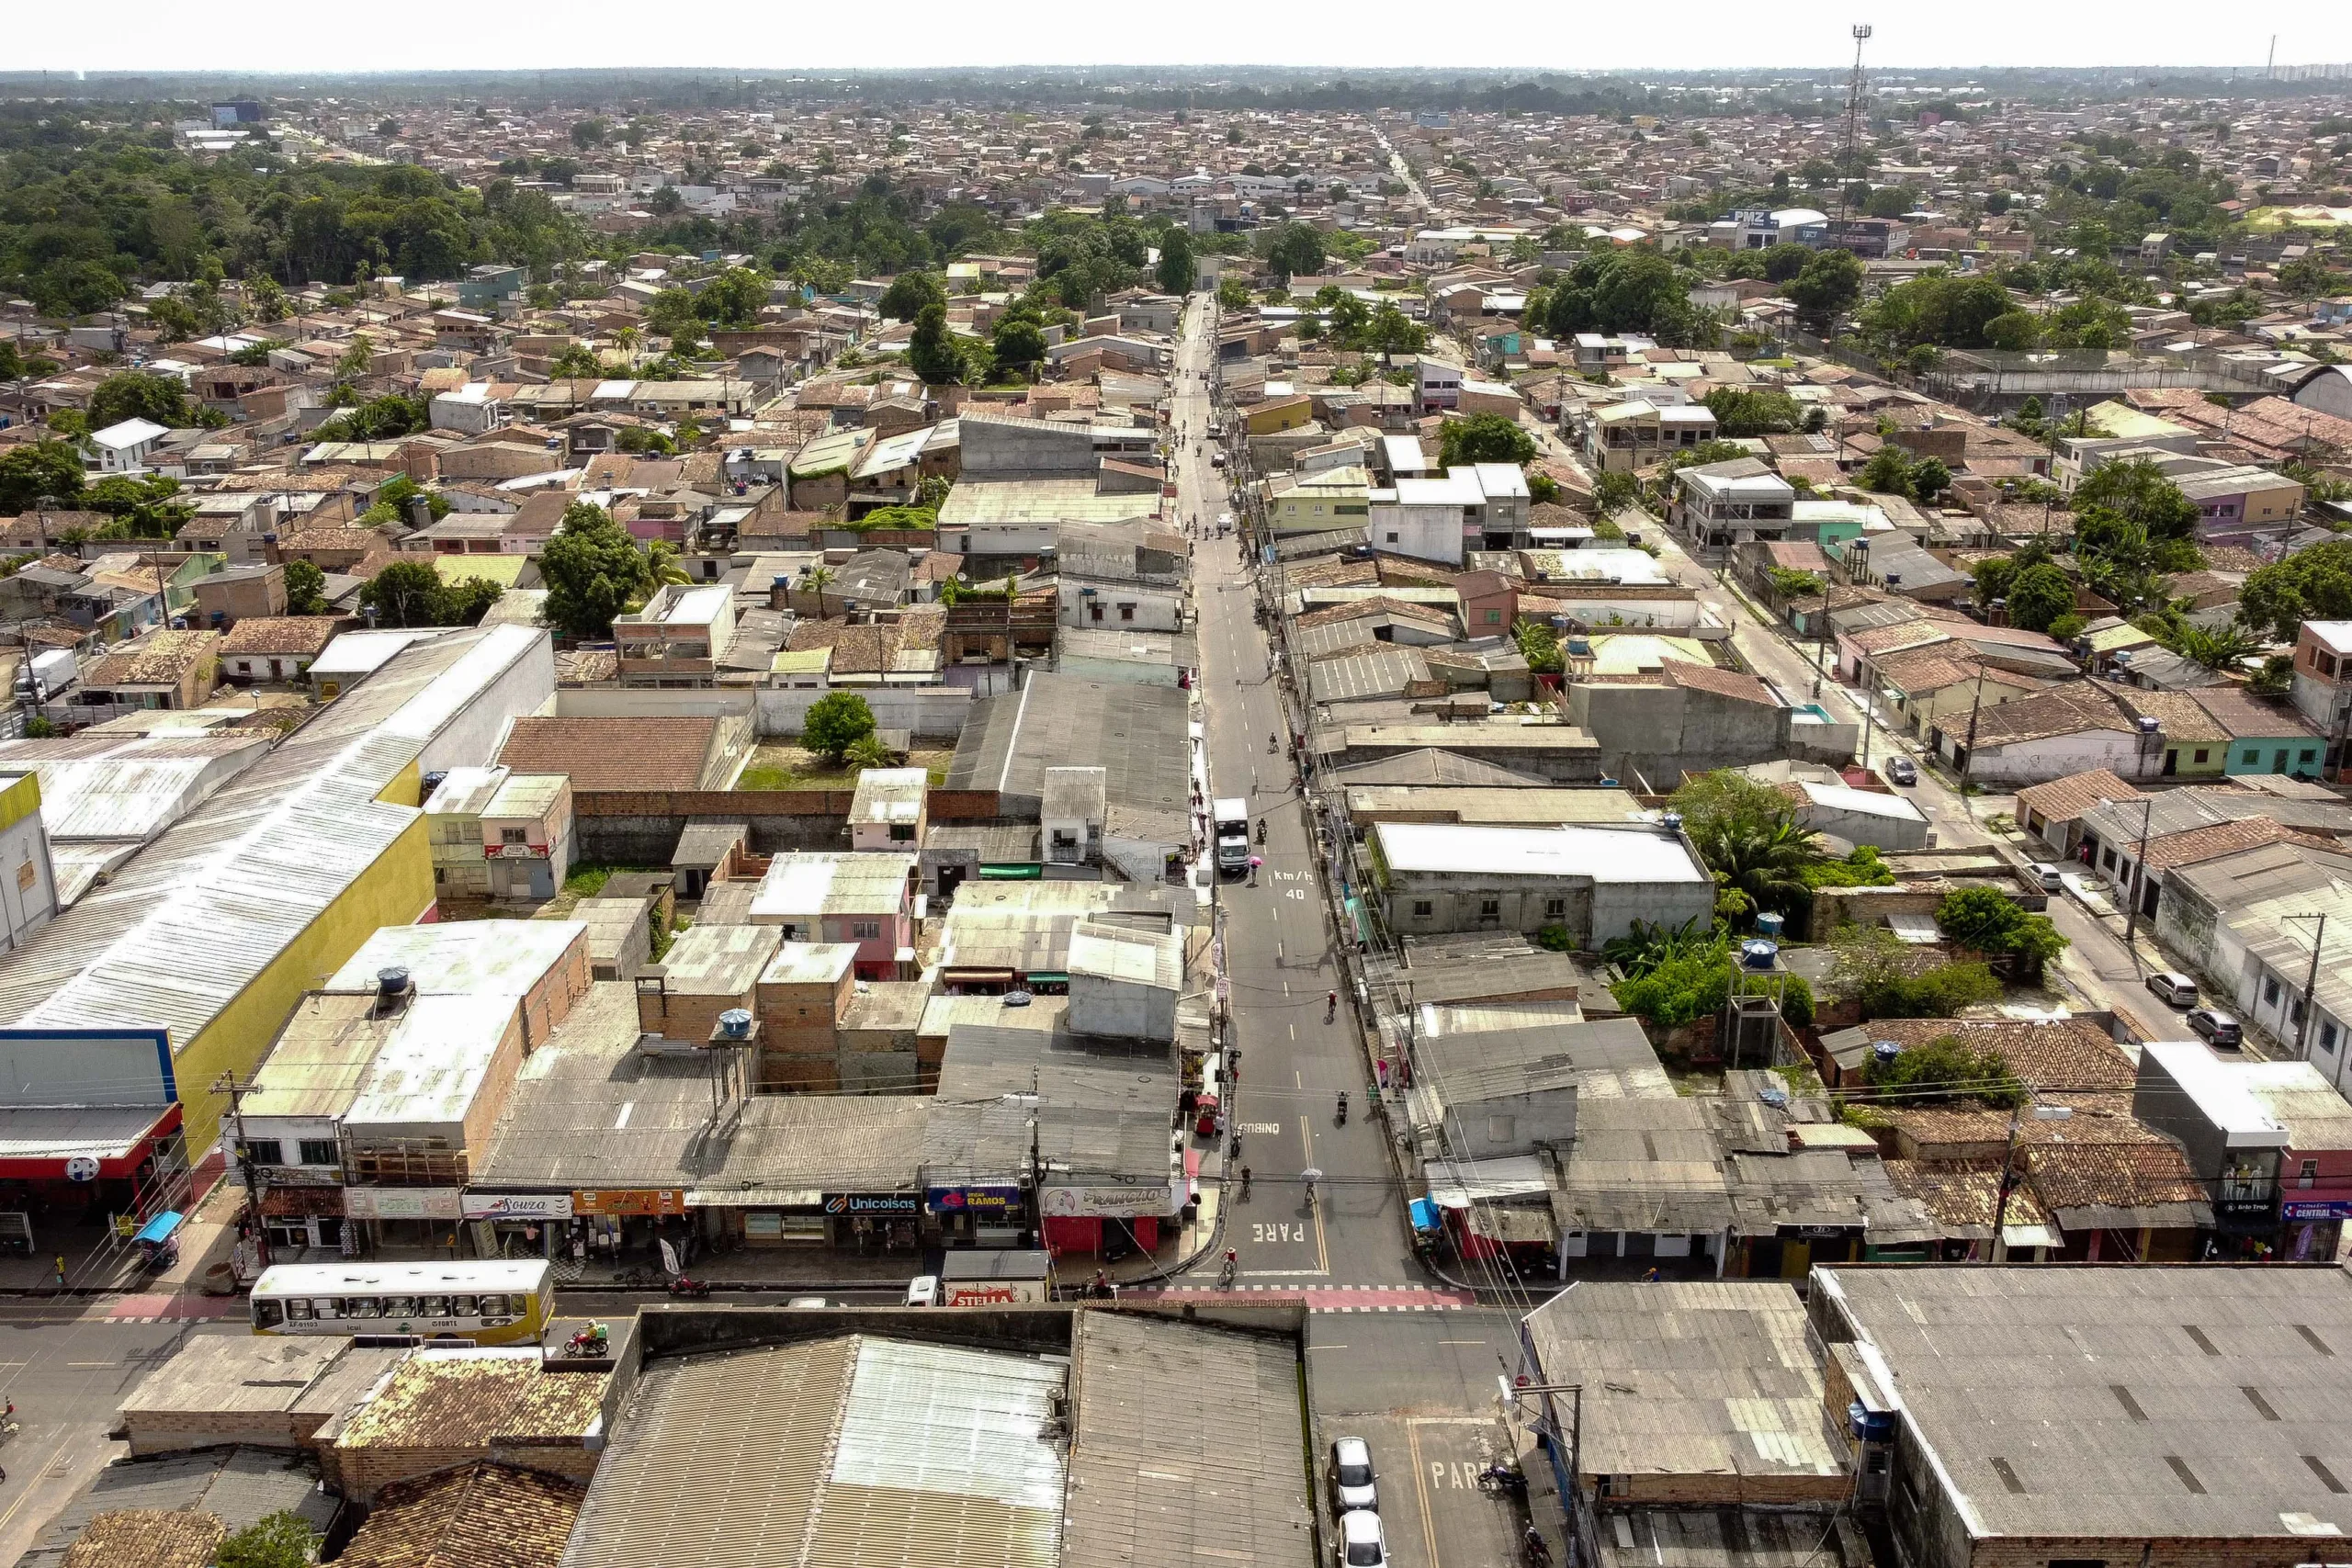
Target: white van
x=922 y=1291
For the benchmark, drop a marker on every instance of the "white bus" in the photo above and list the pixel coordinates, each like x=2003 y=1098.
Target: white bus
x=494 y=1301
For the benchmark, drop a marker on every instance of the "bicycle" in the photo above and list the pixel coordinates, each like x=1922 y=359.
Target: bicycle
x=1225 y=1275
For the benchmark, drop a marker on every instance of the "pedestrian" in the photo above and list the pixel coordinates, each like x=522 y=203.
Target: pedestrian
x=1381 y=1068
x=60 y=1266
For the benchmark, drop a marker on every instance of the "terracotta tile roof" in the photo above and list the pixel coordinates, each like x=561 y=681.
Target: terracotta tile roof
x=281 y=634
x=484 y=1516
x=2183 y=720
x=2057 y=1055
x=1379 y=604
x=2250 y=717
x=612 y=753
x=2218 y=839
x=857 y=650
x=1963 y=1197
x=459 y=1403
x=2071 y=709
x=1902 y=634
x=2063 y=800
x=160 y=658
x=2115 y=1176
x=146 y=1538
x=1722 y=683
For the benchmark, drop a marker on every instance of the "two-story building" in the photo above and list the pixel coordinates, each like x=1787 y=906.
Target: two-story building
x=1721 y=505
x=867 y=899
x=677 y=638
x=2235 y=1145
x=889 y=811
x=1619 y=438
x=2322 y=688
x=526 y=835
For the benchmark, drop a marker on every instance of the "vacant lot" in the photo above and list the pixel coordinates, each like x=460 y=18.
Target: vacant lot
x=783 y=765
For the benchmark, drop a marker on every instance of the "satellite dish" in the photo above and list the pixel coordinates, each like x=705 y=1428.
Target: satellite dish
x=81 y=1167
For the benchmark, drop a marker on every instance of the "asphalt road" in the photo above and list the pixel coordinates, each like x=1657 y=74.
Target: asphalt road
x=1279 y=959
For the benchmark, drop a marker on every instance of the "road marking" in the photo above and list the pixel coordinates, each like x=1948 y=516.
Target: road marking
x=86 y=1366
x=1464 y=1342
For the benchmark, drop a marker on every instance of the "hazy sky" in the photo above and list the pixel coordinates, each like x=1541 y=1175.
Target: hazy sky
x=281 y=35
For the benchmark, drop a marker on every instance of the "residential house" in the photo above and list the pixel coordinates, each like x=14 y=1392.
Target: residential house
x=1588 y=881
x=866 y=898
x=125 y=447
x=890 y=810
x=526 y=835
x=163 y=670
x=1718 y=505
x=277 y=647
x=677 y=638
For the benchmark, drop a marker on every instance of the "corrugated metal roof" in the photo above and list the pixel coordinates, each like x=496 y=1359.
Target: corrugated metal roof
x=192 y=921
x=839 y=1453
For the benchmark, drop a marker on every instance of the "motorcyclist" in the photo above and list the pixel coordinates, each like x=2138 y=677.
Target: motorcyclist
x=1261 y=830
x=1273 y=743
x=1331 y=1005
x=1245 y=1182
x=1343 y=1105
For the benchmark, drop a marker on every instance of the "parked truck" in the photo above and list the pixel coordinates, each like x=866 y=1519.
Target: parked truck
x=986 y=1279
x=1232 y=818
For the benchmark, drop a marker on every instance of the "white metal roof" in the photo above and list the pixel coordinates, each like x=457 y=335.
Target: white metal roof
x=1644 y=855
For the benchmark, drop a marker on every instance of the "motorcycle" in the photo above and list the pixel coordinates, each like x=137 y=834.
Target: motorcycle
x=1499 y=1479
x=593 y=1342
x=693 y=1290
x=1344 y=1110
x=1261 y=831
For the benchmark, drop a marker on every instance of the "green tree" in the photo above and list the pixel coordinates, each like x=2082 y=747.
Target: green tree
x=868 y=752
x=1829 y=284
x=1175 y=270
x=305 y=589
x=140 y=394
x=2140 y=492
x=40 y=472
x=931 y=351
x=1539 y=644
x=1994 y=575
x=593 y=571
x=1782 y=261
x=2039 y=595
x=1484 y=438
x=577 y=362
x=283 y=1539
x=1930 y=478
x=1888 y=473
x=407 y=593
x=836 y=722
x=2311 y=584
x=1295 y=250
x=1934 y=310
x=1946 y=1068
x=2223 y=649
x=1018 y=345
x=1741 y=412
x=144 y=507
x=733 y=300
x=1232 y=294
x=908 y=293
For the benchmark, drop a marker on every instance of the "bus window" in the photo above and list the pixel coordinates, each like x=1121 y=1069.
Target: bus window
x=399 y=1306
x=361 y=1306
x=267 y=1316
x=326 y=1308
x=298 y=1310
x=494 y=1306
x=433 y=1306
x=464 y=1306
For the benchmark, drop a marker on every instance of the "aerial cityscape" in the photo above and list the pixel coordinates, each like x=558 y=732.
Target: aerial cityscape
x=1115 y=817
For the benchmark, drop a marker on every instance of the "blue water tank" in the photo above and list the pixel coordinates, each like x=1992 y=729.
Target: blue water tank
x=1757 y=954
x=1883 y=1052
x=1768 y=925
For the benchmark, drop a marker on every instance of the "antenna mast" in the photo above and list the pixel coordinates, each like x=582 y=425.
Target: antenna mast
x=1851 y=158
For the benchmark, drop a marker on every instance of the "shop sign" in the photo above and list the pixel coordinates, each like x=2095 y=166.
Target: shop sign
x=401 y=1202
x=873 y=1203
x=1110 y=1203
x=986 y=1198
x=2311 y=1209
x=518 y=1205
x=630 y=1201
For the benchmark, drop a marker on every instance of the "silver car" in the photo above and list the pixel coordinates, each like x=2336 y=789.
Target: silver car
x=1362 y=1543
x=1352 y=1479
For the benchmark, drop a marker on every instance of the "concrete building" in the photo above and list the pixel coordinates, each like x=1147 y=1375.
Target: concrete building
x=677 y=638
x=1591 y=882
x=890 y=810
x=2202 y=1405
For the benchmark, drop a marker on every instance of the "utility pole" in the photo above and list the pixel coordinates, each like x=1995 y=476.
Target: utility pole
x=1968 y=751
x=2310 y=984
x=227 y=1084
x=2139 y=873
x=1821 y=636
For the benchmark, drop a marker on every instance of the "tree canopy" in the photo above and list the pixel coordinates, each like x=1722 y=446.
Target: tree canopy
x=835 y=722
x=593 y=571
x=1484 y=438
x=2311 y=584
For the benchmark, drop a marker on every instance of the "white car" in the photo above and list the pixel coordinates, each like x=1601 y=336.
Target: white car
x=1362 y=1543
x=1351 y=1478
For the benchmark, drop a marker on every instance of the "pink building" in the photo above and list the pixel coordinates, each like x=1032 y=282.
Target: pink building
x=866 y=900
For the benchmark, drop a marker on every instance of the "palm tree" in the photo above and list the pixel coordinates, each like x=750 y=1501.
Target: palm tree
x=1764 y=860
x=663 y=556
x=2223 y=649
x=816 y=577
x=627 y=339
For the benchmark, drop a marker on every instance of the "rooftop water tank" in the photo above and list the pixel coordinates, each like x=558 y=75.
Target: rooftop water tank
x=1768 y=924
x=1758 y=953
x=1883 y=1052
x=391 y=981
x=735 y=1024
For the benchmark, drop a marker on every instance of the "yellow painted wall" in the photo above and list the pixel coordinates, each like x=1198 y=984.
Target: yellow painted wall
x=406 y=787
x=20 y=800
x=392 y=892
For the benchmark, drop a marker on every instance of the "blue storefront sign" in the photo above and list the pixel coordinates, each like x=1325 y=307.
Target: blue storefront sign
x=872 y=1203
x=986 y=1198
x=2317 y=1209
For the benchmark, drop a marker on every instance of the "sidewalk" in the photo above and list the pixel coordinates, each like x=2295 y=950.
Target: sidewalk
x=97 y=1262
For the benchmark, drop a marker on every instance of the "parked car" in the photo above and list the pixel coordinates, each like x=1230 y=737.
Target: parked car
x=923 y=1291
x=2174 y=987
x=1900 y=771
x=1362 y=1543
x=2050 y=878
x=2219 y=1028
x=1352 y=1479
